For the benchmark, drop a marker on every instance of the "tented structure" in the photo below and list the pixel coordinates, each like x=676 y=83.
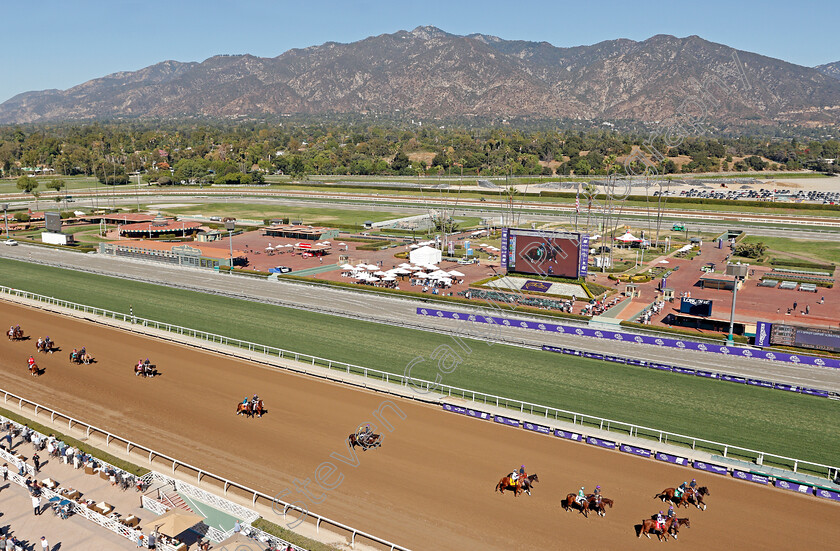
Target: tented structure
x=425 y=255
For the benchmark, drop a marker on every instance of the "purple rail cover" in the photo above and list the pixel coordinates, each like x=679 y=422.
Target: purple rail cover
x=794 y=487
x=455 y=409
x=671 y=458
x=536 y=428
x=744 y=475
x=507 y=421
x=717 y=469
x=599 y=442
x=827 y=494
x=568 y=435
x=634 y=450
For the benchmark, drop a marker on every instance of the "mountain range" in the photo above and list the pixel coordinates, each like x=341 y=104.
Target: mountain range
x=428 y=73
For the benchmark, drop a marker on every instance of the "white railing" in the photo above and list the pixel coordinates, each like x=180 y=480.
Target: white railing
x=10 y=458
x=726 y=450
x=151 y=456
x=153 y=505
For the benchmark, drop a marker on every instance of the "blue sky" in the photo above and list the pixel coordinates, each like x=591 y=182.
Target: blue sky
x=58 y=44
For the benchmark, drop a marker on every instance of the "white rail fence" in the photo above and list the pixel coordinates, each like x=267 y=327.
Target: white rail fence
x=155 y=458
x=425 y=387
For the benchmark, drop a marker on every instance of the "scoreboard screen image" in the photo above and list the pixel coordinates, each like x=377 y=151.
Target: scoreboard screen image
x=545 y=253
x=815 y=338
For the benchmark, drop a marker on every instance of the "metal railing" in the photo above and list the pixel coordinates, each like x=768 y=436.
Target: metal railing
x=201 y=474
x=425 y=387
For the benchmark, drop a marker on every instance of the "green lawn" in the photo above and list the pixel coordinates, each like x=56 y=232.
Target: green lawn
x=309 y=215
x=71 y=183
x=768 y=420
x=817 y=251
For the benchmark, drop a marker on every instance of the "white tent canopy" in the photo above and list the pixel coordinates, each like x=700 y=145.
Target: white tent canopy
x=425 y=255
x=627 y=238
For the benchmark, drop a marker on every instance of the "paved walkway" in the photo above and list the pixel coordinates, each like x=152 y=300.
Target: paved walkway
x=74 y=533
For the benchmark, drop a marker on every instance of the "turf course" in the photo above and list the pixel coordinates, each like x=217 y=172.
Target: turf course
x=772 y=421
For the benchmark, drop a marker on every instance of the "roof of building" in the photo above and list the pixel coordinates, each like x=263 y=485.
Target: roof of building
x=291 y=228
x=165 y=226
x=121 y=217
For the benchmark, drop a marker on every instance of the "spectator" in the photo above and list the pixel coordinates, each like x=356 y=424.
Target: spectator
x=36 y=504
x=5 y=470
x=36 y=460
x=237 y=527
x=45 y=545
x=152 y=538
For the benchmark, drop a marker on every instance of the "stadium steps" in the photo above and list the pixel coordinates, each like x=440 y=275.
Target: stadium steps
x=174 y=499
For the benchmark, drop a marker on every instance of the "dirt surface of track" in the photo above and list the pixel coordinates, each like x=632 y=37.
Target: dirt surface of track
x=430 y=486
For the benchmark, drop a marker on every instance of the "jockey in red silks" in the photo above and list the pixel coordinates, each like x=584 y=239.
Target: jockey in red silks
x=31 y=361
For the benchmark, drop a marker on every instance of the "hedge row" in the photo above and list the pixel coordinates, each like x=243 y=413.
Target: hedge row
x=801 y=264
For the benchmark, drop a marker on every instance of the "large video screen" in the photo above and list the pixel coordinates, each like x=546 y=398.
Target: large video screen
x=545 y=253
x=815 y=338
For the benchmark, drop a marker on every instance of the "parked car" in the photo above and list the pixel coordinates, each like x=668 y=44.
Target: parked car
x=10 y=242
x=280 y=270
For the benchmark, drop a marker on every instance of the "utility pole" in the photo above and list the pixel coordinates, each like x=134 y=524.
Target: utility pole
x=6 y=218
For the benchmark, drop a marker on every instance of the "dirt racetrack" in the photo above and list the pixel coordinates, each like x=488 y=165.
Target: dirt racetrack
x=430 y=486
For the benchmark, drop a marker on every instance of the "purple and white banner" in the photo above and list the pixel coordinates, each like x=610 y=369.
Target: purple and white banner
x=583 y=261
x=507 y=421
x=717 y=469
x=732 y=379
x=536 y=428
x=671 y=458
x=828 y=494
x=632 y=337
x=455 y=409
x=634 y=450
x=762 y=333
x=708 y=374
x=744 y=475
x=759 y=382
x=479 y=414
x=599 y=442
x=789 y=388
x=568 y=435
x=814 y=392
x=794 y=487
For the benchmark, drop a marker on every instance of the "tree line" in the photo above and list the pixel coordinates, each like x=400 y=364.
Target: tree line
x=228 y=153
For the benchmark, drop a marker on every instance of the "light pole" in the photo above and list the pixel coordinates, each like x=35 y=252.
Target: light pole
x=730 y=339
x=6 y=218
x=230 y=225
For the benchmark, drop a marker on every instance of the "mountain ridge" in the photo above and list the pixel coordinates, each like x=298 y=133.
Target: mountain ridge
x=430 y=73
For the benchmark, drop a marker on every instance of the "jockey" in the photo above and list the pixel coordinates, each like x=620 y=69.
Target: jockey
x=581 y=495
x=660 y=522
x=671 y=512
x=245 y=401
x=522 y=474
x=147 y=362
x=681 y=490
x=31 y=361
x=597 y=495
x=693 y=486
x=82 y=351
x=75 y=353
x=255 y=399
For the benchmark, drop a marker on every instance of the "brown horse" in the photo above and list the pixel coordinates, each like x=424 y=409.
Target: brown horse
x=506 y=484
x=366 y=442
x=599 y=507
x=243 y=408
x=571 y=502
x=677 y=524
x=648 y=527
x=696 y=497
x=44 y=346
x=34 y=370
x=15 y=333
x=669 y=495
x=87 y=358
x=528 y=483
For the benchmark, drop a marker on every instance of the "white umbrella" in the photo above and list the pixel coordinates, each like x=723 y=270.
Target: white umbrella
x=401 y=271
x=455 y=273
x=361 y=275
x=446 y=281
x=484 y=245
x=664 y=262
x=405 y=265
x=373 y=278
x=389 y=278
x=347 y=266
x=269 y=248
x=379 y=273
x=341 y=244
x=414 y=246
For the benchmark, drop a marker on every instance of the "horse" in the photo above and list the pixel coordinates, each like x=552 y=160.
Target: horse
x=15 y=333
x=528 y=482
x=571 y=502
x=86 y=358
x=365 y=442
x=696 y=497
x=258 y=408
x=506 y=484
x=34 y=370
x=75 y=357
x=244 y=408
x=44 y=346
x=594 y=505
x=669 y=494
x=677 y=524
x=648 y=526
x=142 y=370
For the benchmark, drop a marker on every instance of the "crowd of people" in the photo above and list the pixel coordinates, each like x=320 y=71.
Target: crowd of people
x=597 y=307
x=648 y=313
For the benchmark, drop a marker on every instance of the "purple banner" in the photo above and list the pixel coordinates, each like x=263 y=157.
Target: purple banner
x=583 y=261
x=794 y=486
x=615 y=359
x=671 y=458
x=743 y=475
x=536 y=428
x=828 y=494
x=593 y=355
x=733 y=379
x=539 y=286
x=506 y=421
x=640 y=363
x=790 y=388
x=762 y=333
x=634 y=450
x=455 y=409
x=505 y=248
x=709 y=467
x=708 y=374
x=479 y=414
x=661 y=367
x=814 y=392
x=683 y=370
x=598 y=442
x=641 y=339
x=568 y=435
x=758 y=382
